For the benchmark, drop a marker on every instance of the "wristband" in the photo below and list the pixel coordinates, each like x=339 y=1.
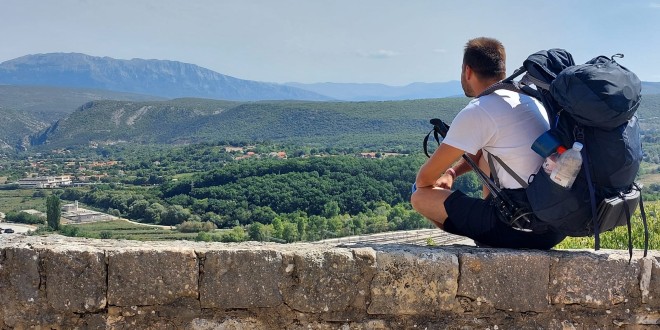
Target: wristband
x=451 y=172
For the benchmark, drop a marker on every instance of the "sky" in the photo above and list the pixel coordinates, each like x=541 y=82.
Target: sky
x=392 y=42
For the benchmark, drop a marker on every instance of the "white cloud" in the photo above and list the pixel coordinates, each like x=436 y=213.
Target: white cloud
x=378 y=54
x=440 y=50
x=654 y=5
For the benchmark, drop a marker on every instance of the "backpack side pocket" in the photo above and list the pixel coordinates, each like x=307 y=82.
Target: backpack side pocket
x=567 y=211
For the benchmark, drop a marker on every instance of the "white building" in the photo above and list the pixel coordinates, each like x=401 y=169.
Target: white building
x=71 y=213
x=45 y=182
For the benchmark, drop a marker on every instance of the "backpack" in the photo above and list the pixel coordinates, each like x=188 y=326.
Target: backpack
x=595 y=104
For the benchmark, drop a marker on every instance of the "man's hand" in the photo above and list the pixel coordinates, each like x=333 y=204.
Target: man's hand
x=445 y=181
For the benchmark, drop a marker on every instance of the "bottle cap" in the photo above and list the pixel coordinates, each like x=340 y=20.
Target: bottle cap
x=577 y=146
x=561 y=149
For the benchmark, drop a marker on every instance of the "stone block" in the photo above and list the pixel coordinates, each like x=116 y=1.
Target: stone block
x=650 y=282
x=414 y=281
x=594 y=280
x=75 y=280
x=19 y=276
x=142 y=277
x=241 y=279
x=506 y=280
x=20 y=282
x=327 y=281
x=247 y=323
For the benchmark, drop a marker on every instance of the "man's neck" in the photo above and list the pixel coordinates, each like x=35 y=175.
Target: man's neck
x=483 y=85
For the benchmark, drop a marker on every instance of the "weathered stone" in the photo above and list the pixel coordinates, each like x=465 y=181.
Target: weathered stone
x=241 y=279
x=414 y=281
x=507 y=280
x=75 y=280
x=594 y=280
x=19 y=287
x=228 y=324
x=322 y=280
x=19 y=275
x=650 y=282
x=151 y=277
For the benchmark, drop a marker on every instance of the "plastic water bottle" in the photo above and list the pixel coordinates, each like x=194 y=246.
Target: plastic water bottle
x=568 y=166
x=551 y=161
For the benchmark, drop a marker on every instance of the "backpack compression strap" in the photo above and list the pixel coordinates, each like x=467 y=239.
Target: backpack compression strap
x=643 y=214
x=626 y=209
x=592 y=193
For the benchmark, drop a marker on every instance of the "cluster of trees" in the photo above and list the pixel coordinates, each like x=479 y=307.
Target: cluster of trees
x=300 y=227
x=24 y=217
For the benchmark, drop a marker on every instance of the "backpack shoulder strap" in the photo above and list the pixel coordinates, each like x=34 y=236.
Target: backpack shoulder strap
x=506 y=167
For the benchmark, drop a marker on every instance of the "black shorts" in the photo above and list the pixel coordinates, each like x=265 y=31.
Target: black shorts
x=477 y=219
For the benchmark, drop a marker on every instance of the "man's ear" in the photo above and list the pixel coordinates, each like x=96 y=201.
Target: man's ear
x=468 y=72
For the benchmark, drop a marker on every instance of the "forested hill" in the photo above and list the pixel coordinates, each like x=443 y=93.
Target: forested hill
x=392 y=123
x=387 y=124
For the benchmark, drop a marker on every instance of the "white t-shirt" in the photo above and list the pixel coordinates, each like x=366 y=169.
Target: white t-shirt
x=504 y=123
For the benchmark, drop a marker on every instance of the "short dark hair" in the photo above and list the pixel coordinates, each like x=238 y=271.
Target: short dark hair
x=486 y=57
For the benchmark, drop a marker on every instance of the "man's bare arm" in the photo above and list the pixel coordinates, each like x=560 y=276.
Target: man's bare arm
x=440 y=161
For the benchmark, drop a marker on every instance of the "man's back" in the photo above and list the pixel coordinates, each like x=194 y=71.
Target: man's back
x=505 y=124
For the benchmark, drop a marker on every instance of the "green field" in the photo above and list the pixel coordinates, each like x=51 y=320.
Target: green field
x=21 y=199
x=120 y=229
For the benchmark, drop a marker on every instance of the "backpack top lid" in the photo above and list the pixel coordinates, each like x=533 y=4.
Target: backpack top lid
x=599 y=93
x=545 y=65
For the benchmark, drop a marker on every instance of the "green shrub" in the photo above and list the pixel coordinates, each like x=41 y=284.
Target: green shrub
x=70 y=230
x=195 y=226
x=237 y=234
x=203 y=237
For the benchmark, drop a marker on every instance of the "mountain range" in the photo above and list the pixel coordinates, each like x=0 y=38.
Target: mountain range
x=171 y=79
x=167 y=79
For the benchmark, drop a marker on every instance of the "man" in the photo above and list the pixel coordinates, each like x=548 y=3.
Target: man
x=502 y=123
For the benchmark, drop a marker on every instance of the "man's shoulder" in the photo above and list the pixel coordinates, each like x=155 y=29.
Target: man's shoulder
x=507 y=98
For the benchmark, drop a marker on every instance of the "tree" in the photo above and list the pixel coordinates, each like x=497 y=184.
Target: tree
x=153 y=213
x=263 y=214
x=138 y=209
x=174 y=215
x=258 y=232
x=331 y=209
x=316 y=228
x=278 y=227
x=290 y=232
x=53 y=212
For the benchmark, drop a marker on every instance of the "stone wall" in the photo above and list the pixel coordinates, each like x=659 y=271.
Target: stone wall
x=66 y=283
